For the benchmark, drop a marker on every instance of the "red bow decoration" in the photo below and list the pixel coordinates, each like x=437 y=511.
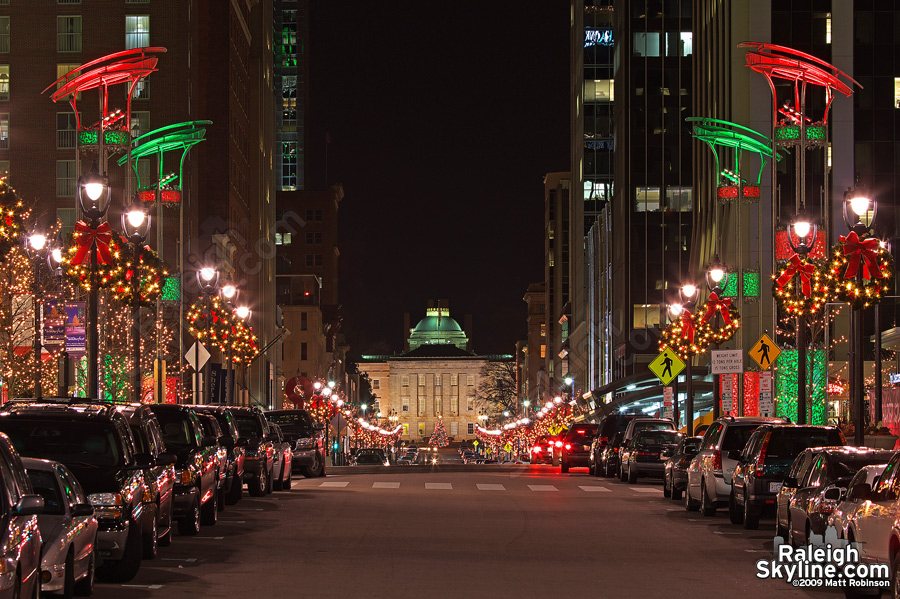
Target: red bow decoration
x=714 y=304
x=861 y=250
x=797 y=266
x=687 y=326
x=86 y=237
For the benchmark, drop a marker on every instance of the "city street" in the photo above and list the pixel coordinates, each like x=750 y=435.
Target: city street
x=526 y=531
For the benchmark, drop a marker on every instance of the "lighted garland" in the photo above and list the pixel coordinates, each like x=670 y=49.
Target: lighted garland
x=706 y=332
x=225 y=330
x=801 y=286
x=116 y=274
x=12 y=221
x=681 y=336
x=860 y=271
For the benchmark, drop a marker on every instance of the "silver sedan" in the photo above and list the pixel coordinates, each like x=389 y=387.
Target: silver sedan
x=68 y=528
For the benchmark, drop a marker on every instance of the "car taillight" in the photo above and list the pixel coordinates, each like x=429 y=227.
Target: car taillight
x=604 y=440
x=568 y=446
x=827 y=506
x=645 y=453
x=761 y=460
x=615 y=450
x=717 y=460
x=559 y=443
x=535 y=450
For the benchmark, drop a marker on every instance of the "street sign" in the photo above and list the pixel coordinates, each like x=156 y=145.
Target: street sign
x=727 y=361
x=507 y=448
x=202 y=355
x=668 y=402
x=727 y=399
x=338 y=422
x=666 y=366
x=765 y=352
x=766 y=405
x=895 y=378
x=475 y=443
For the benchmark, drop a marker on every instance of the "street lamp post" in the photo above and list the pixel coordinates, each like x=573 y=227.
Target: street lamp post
x=136 y=225
x=715 y=275
x=93 y=195
x=229 y=294
x=242 y=312
x=208 y=281
x=688 y=295
x=802 y=229
x=35 y=245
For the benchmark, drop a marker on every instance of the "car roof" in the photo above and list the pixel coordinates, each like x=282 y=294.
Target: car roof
x=751 y=420
x=38 y=464
x=61 y=410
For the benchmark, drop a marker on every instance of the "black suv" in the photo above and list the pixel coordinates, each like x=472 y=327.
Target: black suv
x=196 y=500
x=576 y=446
x=231 y=440
x=604 y=458
x=259 y=460
x=159 y=476
x=94 y=441
x=306 y=439
x=764 y=462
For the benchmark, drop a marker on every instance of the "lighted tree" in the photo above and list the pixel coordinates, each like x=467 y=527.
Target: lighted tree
x=439 y=436
x=497 y=389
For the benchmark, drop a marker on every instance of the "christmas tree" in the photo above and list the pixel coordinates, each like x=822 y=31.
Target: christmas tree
x=439 y=436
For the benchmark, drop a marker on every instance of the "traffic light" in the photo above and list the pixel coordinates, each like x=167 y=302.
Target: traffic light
x=334 y=446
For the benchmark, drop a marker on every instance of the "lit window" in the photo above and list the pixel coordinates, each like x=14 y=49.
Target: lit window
x=470 y=428
x=646 y=44
x=405 y=426
x=405 y=405
x=646 y=316
x=68 y=33
x=543 y=351
x=4 y=168
x=598 y=90
x=137 y=31
x=4 y=82
x=4 y=130
x=289 y=166
x=66 y=217
x=679 y=43
x=646 y=199
x=69 y=69
x=679 y=199
x=140 y=122
x=376 y=384
x=65 y=130
x=896 y=92
x=422 y=429
x=454 y=428
x=4 y=35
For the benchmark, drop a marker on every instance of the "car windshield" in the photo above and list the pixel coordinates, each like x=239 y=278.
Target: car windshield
x=44 y=484
x=581 y=434
x=209 y=429
x=175 y=428
x=788 y=442
x=369 y=458
x=292 y=423
x=248 y=426
x=653 y=426
x=76 y=442
x=658 y=438
x=847 y=466
x=691 y=442
x=736 y=437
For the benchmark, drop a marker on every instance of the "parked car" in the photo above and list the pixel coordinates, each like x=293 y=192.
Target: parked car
x=816 y=495
x=369 y=457
x=405 y=460
x=306 y=438
x=281 y=466
x=576 y=446
x=709 y=475
x=648 y=451
x=232 y=441
x=764 y=462
x=20 y=543
x=159 y=476
x=211 y=429
x=94 y=441
x=196 y=499
x=840 y=518
x=675 y=474
x=68 y=529
x=605 y=446
x=542 y=451
x=634 y=427
x=259 y=457
x=875 y=526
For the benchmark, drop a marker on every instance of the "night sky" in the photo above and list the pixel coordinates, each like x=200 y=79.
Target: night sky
x=444 y=118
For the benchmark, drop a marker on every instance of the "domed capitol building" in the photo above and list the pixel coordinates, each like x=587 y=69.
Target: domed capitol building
x=435 y=378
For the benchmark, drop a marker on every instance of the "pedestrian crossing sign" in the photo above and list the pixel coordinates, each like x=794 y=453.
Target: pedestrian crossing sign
x=666 y=366
x=765 y=352
x=507 y=448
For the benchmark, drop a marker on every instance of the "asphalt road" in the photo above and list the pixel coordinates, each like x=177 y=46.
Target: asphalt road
x=524 y=532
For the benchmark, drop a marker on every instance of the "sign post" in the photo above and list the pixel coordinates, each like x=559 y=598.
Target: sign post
x=766 y=405
x=668 y=403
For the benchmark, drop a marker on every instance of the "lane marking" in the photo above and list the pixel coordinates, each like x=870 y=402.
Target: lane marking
x=646 y=490
x=213 y=538
x=233 y=521
x=335 y=484
x=490 y=487
x=595 y=489
x=144 y=586
x=179 y=559
x=542 y=488
x=721 y=532
x=438 y=485
x=385 y=485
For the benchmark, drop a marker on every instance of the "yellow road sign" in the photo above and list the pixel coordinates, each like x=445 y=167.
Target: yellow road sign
x=507 y=448
x=765 y=352
x=475 y=443
x=666 y=366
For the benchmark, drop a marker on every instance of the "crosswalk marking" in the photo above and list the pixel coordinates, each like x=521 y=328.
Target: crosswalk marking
x=646 y=489
x=542 y=488
x=438 y=486
x=334 y=483
x=385 y=485
x=490 y=487
x=595 y=489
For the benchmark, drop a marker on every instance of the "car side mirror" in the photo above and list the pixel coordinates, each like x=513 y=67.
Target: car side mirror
x=82 y=509
x=734 y=454
x=318 y=426
x=860 y=492
x=166 y=459
x=791 y=482
x=143 y=460
x=29 y=505
x=833 y=494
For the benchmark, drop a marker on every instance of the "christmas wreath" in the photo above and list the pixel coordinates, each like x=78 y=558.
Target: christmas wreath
x=860 y=270
x=801 y=286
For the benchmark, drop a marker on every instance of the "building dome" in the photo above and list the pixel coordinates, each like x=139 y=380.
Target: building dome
x=434 y=323
x=437 y=328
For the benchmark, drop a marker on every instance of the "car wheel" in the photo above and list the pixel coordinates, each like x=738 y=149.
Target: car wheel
x=621 y=473
x=288 y=478
x=689 y=504
x=706 y=506
x=151 y=540
x=271 y=475
x=751 y=520
x=236 y=492
x=563 y=466
x=676 y=493
x=209 y=513
x=277 y=484
x=667 y=492
x=313 y=471
x=69 y=581
x=779 y=529
x=632 y=474
x=259 y=484
x=190 y=524
x=735 y=514
x=126 y=568
x=592 y=470
x=85 y=586
x=221 y=500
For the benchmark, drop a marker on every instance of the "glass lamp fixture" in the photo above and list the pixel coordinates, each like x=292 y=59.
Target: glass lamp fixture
x=136 y=224
x=207 y=278
x=242 y=312
x=93 y=193
x=35 y=244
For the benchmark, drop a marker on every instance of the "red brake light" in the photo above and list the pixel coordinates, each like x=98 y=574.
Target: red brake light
x=568 y=446
x=717 y=460
x=559 y=443
x=761 y=460
x=535 y=450
x=827 y=506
